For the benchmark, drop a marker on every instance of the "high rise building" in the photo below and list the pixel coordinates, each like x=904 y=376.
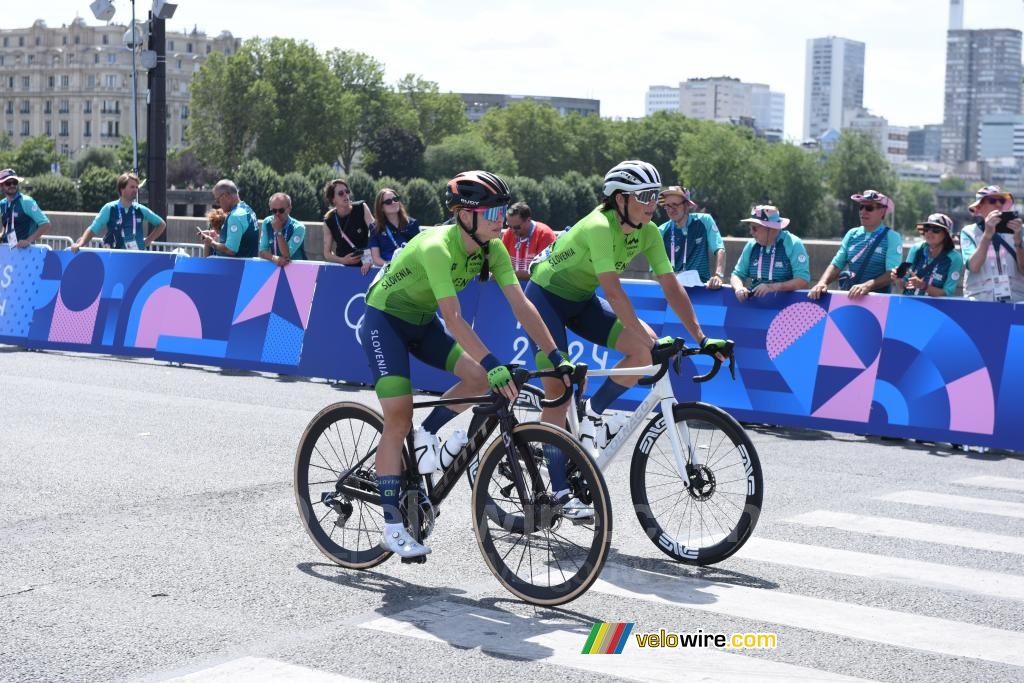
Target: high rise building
x=834 y=83
x=925 y=143
x=723 y=99
x=1001 y=136
x=769 y=108
x=74 y=83
x=983 y=76
x=478 y=104
x=661 y=98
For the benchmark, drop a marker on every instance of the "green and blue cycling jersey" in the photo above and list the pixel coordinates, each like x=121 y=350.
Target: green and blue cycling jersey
x=125 y=228
x=784 y=260
x=294 y=234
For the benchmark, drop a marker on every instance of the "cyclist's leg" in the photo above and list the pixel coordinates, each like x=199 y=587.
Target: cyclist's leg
x=386 y=341
x=597 y=323
x=438 y=349
x=554 y=313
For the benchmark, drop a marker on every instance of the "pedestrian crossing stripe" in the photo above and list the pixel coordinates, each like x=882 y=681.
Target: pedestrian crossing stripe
x=607 y=639
x=982 y=506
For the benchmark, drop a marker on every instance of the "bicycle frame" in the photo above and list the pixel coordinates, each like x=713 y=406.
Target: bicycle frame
x=660 y=394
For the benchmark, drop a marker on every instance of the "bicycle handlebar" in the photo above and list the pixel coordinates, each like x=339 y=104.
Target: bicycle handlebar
x=675 y=350
x=489 y=404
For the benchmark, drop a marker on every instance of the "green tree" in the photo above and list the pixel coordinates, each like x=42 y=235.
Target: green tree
x=422 y=203
x=97 y=186
x=794 y=180
x=362 y=185
x=256 y=181
x=856 y=164
x=534 y=133
x=465 y=152
x=656 y=139
x=55 y=193
x=596 y=144
x=124 y=155
x=586 y=192
x=305 y=205
x=952 y=183
x=319 y=176
x=34 y=156
x=719 y=163
x=185 y=170
x=395 y=152
x=915 y=201
x=103 y=157
x=438 y=115
x=363 y=106
x=561 y=201
x=390 y=182
x=530 y=191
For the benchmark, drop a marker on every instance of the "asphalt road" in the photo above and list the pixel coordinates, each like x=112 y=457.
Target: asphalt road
x=148 y=531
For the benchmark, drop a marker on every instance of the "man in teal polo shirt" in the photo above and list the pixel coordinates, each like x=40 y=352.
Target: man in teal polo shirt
x=124 y=220
x=21 y=220
x=689 y=237
x=281 y=236
x=240 y=234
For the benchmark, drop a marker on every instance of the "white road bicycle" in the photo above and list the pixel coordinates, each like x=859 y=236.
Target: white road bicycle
x=696 y=488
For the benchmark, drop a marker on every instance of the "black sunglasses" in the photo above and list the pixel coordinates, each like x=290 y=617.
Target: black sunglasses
x=278 y=211
x=393 y=200
x=932 y=228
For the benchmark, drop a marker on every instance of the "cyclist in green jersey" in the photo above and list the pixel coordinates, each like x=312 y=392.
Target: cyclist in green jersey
x=422 y=279
x=563 y=286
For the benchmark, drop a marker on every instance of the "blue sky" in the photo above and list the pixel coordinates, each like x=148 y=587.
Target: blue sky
x=610 y=51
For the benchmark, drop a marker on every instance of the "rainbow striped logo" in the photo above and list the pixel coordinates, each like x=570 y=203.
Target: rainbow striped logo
x=607 y=639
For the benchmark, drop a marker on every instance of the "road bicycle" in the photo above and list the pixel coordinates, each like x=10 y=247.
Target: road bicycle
x=538 y=555
x=697 y=489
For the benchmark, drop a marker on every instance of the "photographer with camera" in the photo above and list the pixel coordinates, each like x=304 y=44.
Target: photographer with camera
x=933 y=266
x=992 y=248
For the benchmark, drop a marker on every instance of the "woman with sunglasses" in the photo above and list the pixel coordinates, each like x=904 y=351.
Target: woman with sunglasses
x=401 y=319
x=392 y=227
x=781 y=259
x=933 y=267
x=563 y=287
x=992 y=249
x=868 y=253
x=346 y=227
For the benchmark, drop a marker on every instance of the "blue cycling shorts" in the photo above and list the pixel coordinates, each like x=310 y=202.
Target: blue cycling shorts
x=388 y=341
x=592 y=319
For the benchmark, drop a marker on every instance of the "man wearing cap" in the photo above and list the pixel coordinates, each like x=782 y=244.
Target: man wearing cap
x=690 y=236
x=21 y=220
x=774 y=260
x=933 y=266
x=240 y=234
x=124 y=220
x=868 y=253
x=992 y=249
x=525 y=238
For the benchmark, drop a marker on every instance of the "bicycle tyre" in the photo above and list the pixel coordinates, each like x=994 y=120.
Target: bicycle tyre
x=553 y=576
x=726 y=508
x=333 y=442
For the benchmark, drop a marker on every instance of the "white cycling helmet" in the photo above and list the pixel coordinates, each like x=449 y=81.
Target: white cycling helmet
x=631 y=176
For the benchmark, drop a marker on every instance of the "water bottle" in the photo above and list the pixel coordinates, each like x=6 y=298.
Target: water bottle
x=455 y=443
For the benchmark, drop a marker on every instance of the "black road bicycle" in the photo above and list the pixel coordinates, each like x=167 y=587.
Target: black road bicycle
x=535 y=553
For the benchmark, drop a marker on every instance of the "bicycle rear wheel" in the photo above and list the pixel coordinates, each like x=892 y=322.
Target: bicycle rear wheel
x=536 y=553
x=344 y=518
x=714 y=517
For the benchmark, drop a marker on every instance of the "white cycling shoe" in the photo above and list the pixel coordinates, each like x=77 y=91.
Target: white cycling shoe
x=576 y=510
x=402 y=544
x=597 y=430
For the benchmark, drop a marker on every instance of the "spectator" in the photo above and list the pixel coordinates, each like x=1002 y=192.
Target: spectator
x=868 y=253
x=214 y=221
x=240 y=234
x=124 y=220
x=933 y=267
x=782 y=262
x=525 y=238
x=392 y=227
x=690 y=236
x=992 y=249
x=346 y=228
x=281 y=236
x=23 y=222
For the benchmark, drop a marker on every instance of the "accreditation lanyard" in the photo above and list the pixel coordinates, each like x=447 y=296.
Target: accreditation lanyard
x=525 y=241
x=686 y=245
x=12 y=237
x=120 y=222
x=391 y=236
x=284 y=233
x=771 y=263
x=337 y=221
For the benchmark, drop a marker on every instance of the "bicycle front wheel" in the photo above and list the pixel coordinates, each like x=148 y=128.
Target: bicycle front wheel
x=531 y=548
x=336 y=485
x=713 y=517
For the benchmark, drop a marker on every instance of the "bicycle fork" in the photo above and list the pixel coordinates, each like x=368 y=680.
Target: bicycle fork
x=687 y=457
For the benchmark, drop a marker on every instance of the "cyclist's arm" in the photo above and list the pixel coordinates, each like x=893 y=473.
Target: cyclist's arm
x=527 y=314
x=461 y=331
x=620 y=303
x=679 y=302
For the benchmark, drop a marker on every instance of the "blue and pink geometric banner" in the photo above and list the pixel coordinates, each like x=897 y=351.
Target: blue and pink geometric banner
x=934 y=369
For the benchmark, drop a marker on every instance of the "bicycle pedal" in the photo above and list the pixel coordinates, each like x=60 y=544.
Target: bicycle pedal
x=422 y=559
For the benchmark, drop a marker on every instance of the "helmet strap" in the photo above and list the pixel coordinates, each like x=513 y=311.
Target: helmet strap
x=485 y=269
x=624 y=214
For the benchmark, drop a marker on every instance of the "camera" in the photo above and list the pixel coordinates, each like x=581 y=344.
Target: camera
x=1004 y=220
x=902 y=269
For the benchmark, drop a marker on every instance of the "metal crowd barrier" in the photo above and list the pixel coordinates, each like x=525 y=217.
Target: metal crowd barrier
x=60 y=242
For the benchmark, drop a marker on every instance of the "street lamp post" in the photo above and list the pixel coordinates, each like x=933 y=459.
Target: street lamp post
x=135 y=96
